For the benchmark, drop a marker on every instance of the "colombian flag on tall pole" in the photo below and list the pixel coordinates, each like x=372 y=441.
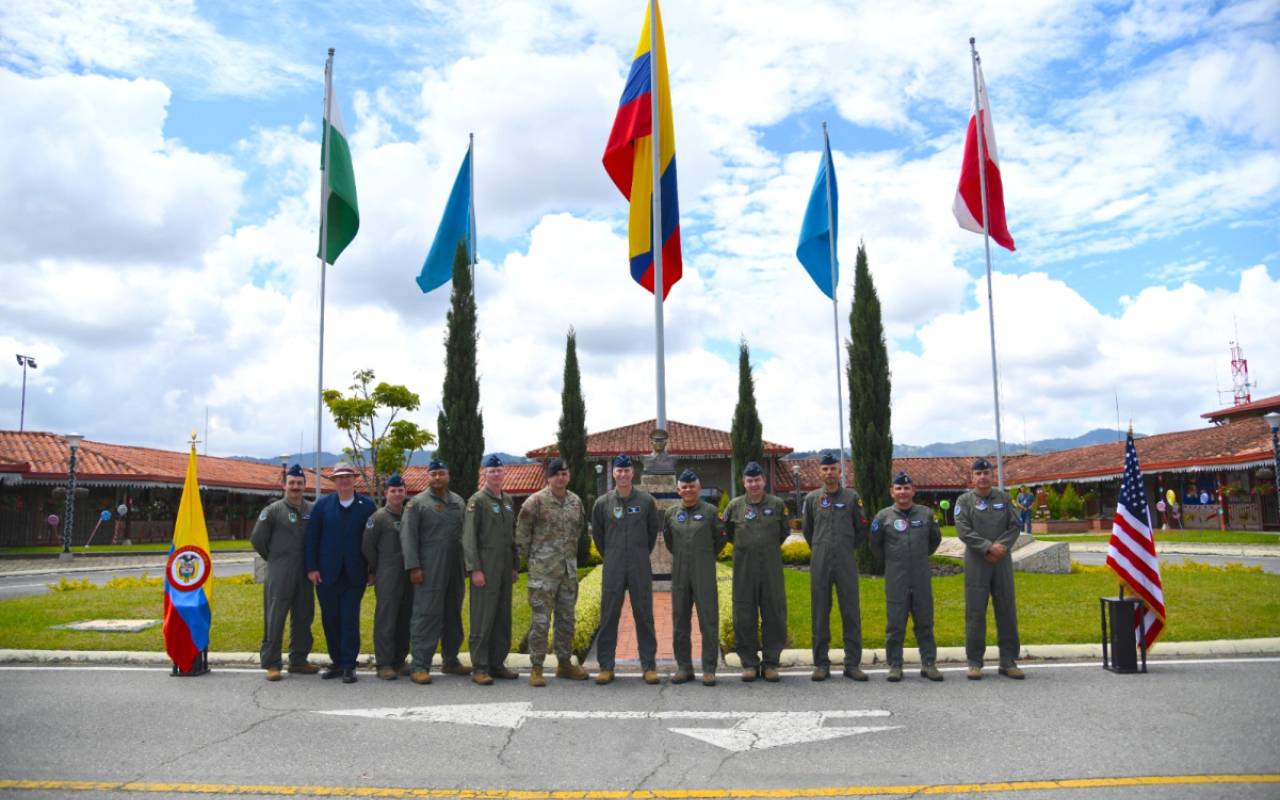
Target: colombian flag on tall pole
x=644 y=170
x=188 y=592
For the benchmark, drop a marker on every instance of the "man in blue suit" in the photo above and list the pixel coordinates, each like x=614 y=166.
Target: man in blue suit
x=337 y=567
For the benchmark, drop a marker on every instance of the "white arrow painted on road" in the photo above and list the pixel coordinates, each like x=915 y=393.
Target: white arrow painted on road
x=755 y=730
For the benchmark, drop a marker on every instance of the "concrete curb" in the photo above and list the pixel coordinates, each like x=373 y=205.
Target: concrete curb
x=790 y=658
x=158 y=564
x=79 y=550
x=1192 y=549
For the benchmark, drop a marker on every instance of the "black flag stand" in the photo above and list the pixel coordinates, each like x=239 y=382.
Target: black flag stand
x=200 y=666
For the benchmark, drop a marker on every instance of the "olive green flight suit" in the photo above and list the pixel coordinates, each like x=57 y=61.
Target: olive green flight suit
x=280 y=538
x=834 y=527
x=694 y=536
x=981 y=522
x=431 y=540
x=381 y=547
x=625 y=530
x=547 y=533
x=488 y=545
x=757 y=531
x=905 y=540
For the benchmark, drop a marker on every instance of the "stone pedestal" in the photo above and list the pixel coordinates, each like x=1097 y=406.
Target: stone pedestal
x=259 y=569
x=659 y=480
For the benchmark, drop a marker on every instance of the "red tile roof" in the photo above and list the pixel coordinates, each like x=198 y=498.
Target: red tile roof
x=518 y=479
x=46 y=455
x=685 y=440
x=927 y=473
x=1256 y=407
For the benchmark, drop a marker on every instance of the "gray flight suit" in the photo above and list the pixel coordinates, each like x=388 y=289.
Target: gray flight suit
x=905 y=540
x=625 y=530
x=834 y=527
x=431 y=540
x=981 y=522
x=381 y=547
x=757 y=531
x=280 y=538
x=489 y=545
x=694 y=536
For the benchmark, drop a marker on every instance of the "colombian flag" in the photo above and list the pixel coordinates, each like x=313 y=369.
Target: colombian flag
x=628 y=158
x=188 y=590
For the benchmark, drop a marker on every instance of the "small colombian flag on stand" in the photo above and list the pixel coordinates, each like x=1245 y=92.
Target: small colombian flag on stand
x=188 y=592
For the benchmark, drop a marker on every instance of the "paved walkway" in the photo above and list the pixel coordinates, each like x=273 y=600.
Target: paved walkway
x=664 y=627
x=91 y=563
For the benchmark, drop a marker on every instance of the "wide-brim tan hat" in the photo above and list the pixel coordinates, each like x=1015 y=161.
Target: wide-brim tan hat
x=343 y=468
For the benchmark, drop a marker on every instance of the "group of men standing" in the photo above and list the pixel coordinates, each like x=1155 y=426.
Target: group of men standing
x=419 y=553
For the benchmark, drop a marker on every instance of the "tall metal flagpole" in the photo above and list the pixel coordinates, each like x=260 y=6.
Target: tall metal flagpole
x=835 y=306
x=655 y=224
x=471 y=219
x=324 y=253
x=980 y=122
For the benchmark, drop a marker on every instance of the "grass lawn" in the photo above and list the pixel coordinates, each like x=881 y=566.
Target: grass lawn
x=1063 y=609
x=141 y=549
x=1208 y=536
x=237 y=619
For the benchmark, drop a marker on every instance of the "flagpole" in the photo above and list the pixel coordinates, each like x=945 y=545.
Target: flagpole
x=835 y=306
x=471 y=218
x=324 y=253
x=655 y=225
x=980 y=122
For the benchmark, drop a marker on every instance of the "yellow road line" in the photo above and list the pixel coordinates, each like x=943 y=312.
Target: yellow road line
x=656 y=794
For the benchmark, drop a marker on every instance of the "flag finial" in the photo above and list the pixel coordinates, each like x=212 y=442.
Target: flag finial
x=194 y=440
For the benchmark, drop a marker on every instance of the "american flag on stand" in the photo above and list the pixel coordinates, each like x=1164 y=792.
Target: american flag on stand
x=1131 y=554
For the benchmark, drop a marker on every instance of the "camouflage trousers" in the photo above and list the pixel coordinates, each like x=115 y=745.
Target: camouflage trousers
x=548 y=597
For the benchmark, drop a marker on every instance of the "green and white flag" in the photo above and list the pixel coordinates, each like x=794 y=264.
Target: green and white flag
x=340 y=193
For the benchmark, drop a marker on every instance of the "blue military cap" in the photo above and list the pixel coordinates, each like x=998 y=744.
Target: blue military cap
x=623 y=460
x=980 y=463
x=436 y=464
x=395 y=480
x=492 y=461
x=828 y=460
x=556 y=466
x=688 y=476
x=296 y=471
x=902 y=479
x=753 y=469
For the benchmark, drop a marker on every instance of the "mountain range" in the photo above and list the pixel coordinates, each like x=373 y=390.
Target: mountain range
x=327 y=459
x=986 y=447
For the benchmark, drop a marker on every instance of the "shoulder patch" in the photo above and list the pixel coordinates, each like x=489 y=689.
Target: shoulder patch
x=409 y=504
x=369 y=524
x=471 y=506
x=263 y=516
x=875 y=524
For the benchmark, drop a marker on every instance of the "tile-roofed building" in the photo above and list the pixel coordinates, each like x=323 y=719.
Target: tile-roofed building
x=520 y=480
x=948 y=474
x=33 y=471
x=1244 y=411
x=685 y=441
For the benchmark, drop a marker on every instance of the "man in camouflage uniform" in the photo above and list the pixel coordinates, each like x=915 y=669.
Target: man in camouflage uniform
x=381 y=547
x=694 y=533
x=431 y=539
x=280 y=538
x=904 y=535
x=987 y=522
x=547 y=536
x=834 y=527
x=489 y=553
x=757 y=524
x=625 y=525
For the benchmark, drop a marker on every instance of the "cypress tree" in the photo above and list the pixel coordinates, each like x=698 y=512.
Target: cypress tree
x=869 y=403
x=747 y=434
x=571 y=439
x=460 y=421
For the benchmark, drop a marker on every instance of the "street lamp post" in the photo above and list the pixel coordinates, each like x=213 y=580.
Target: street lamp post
x=284 y=471
x=73 y=439
x=599 y=478
x=24 y=362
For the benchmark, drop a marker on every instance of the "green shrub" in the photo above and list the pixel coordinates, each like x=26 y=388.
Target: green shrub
x=726 y=555
x=1072 y=505
x=594 y=559
x=64 y=585
x=796 y=553
x=588 y=611
x=724 y=596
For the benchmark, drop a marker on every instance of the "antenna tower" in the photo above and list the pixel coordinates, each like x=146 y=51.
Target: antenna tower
x=1240 y=384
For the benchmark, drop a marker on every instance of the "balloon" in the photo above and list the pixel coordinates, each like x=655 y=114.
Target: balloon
x=946 y=504
x=122 y=509
x=1204 y=498
x=105 y=515
x=53 y=519
x=1160 y=506
x=1172 y=497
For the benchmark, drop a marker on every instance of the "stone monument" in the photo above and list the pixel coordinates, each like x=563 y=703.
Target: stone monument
x=659 y=480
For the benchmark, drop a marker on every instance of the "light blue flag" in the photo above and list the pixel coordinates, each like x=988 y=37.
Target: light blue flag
x=455 y=226
x=816 y=236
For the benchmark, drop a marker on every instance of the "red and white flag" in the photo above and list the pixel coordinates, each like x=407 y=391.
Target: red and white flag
x=1131 y=554
x=968 y=203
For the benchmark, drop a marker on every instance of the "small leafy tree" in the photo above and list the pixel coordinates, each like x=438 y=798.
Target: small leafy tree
x=571 y=440
x=377 y=452
x=746 y=435
x=1072 y=503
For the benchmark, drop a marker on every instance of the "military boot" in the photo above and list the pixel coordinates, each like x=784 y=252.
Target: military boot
x=273 y=674
x=651 y=677
x=386 y=674
x=567 y=669
x=708 y=679
x=455 y=669
x=681 y=676
x=1012 y=672
x=855 y=673
x=605 y=676
x=820 y=674
x=895 y=673
x=771 y=674
x=931 y=672
x=481 y=678
x=535 y=676
x=974 y=673
x=303 y=669
x=420 y=676
x=749 y=674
